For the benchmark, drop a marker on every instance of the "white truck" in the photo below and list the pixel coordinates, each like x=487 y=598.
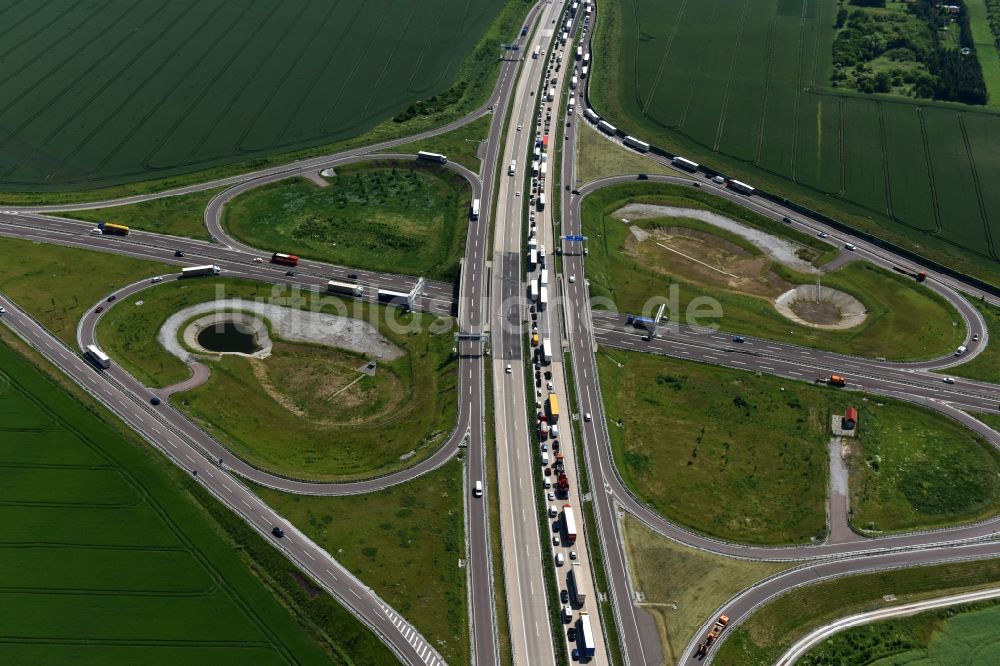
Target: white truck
x=547 y=350
x=98 y=357
x=345 y=288
x=207 y=269
x=512 y=169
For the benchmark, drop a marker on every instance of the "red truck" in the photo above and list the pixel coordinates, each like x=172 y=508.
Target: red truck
x=284 y=259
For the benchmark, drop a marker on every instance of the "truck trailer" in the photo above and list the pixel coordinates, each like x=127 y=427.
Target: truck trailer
x=284 y=259
x=547 y=350
x=432 y=157
x=207 y=269
x=585 y=635
x=606 y=127
x=684 y=163
x=740 y=187
x=553 y=408
x=569 y=524
x=543 y=298
x=109 y=229
x=591 y=115
x=98 y=357
x=389 y=297
x=574 y=577
x=345 y=288
x=474 y=214
x=633 y=142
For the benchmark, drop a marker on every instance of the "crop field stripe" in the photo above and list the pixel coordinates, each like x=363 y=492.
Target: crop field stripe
x=984 y=135
x=767 y=88
x=33 y=34
x=128 y=98
x=225 y=110
x=293 y=65
x=13 y=26
x=991 y=248
x=930 y=171
x=210 y=85
x=663 y=58
x=98 y=91
x=13 y=99
x=798 y=85
x=908 y=170
x=350 y=76
x=729 y=79
x=885 y=160
x=392 y=55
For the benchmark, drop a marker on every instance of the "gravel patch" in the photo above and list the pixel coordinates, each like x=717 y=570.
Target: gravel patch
x=779 y=249
x=288 y=324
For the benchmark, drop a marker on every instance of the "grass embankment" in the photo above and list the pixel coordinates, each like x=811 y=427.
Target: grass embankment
x=687 y=438
x=683 y=586
x=597 y=157
x=771 y=630
x=630 y=273
x=986 y=365
x=57 y=284
x=473 y=79
x=403 y=217
x=460 y=145
x=283 y=413
x=113 y=560
x=954 y=635
x=407 y=548
x=175 y=216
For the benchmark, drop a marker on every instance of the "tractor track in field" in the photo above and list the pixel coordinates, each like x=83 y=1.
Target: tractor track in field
x=983 y=212
x=663 y=58
x=767 y=89
x=729 y=80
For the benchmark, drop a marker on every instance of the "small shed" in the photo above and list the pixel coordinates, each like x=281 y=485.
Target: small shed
x=850 y=418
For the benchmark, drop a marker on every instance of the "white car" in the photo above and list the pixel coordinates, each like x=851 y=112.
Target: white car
x=158 y=278
x=572 y=554
x=553 y=511
x=508 y=369
x=258 y=260
x=975 y=337
x=3 y=310
x=719 y=179
x=572 y=279
x=548 y=385
x=560 y=560
x=551 y=496
x=949 y=380
x=555 y=540
x=518 y=128
x=586 y=417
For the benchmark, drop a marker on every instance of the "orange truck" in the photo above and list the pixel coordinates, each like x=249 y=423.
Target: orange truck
x=837 y=380
x=713 y=635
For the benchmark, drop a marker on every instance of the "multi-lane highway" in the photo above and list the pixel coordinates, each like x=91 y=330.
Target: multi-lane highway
x=490 y=299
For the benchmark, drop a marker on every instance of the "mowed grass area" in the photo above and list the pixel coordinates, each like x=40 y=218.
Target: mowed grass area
x=686 y=438
x=400 y=217
x=297 y=412
x=57 y=284
x=597 y=157
x=202 y=84
x=405 y=542
x=775 y=626
x=111 y=559
x=953 y=635
x=915 y=469
x=461 y=145
x=175 y=216
x=760 y=107
x=682 y=586
x=898 y=307
x=986 y=365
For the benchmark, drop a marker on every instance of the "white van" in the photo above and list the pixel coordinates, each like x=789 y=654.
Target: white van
x=961 y=350
x=545 y=458
x=553 y=511
x=554 y=431
x=478 y=489
x=849 y=246
x=513 y=167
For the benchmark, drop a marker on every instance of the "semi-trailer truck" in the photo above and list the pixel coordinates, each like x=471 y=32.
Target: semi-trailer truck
x=98 y=357
x=574 y=577
x=633 y=142
x=345 y=288
x=741 y=187
x=606 y=127
x=112 y=229
x=585 y=635
x=686 y=164
x=543 y=298
x=389 y=297
x=569 y=524
x=193 y=271
x=432 y=157
x=553 y=408
x=474 y=214
x=547 y=350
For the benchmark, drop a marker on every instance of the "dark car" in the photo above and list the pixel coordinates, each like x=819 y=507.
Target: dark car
x=642 y=176
x=154 y=400
x=786 y=220
x=277 y=531
x=100 y=308
x=178 y=253
x=571 y=634
x=738 y=338
x=564 y=596
x=567 y=188
x=289 y=273
x=555 y=444
x=696 y=184
x=352 y=276
x=575 y=191
x=111 y=298
x=548 y=374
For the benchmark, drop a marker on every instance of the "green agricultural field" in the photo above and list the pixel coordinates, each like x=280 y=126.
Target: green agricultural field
x=758 y=103
x=596 y=157
x=57 y=284
x=461 y=145
x=682 y=586
x=407 y=548
x=954 y=635
x=714 y=473
x=774 y=627
x=400 y=217
x=287 y=413
x=174 y=216
x=107 y=559
x=142 y=91
x=635 y=276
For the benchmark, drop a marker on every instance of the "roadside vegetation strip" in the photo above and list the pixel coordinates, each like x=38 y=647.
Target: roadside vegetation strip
x=461 y=145
x=772 y=629
x=684 y=117
x=712 y=472
x=951 y=635
x=680 y=587
x=277 y=413
x=175 y=216
x=986 y=48
x=406 y=548
x=156 y=544
x=986 y=364
x=57 y=284
x=403 y=217
x=629 y=265
x=597 y=157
